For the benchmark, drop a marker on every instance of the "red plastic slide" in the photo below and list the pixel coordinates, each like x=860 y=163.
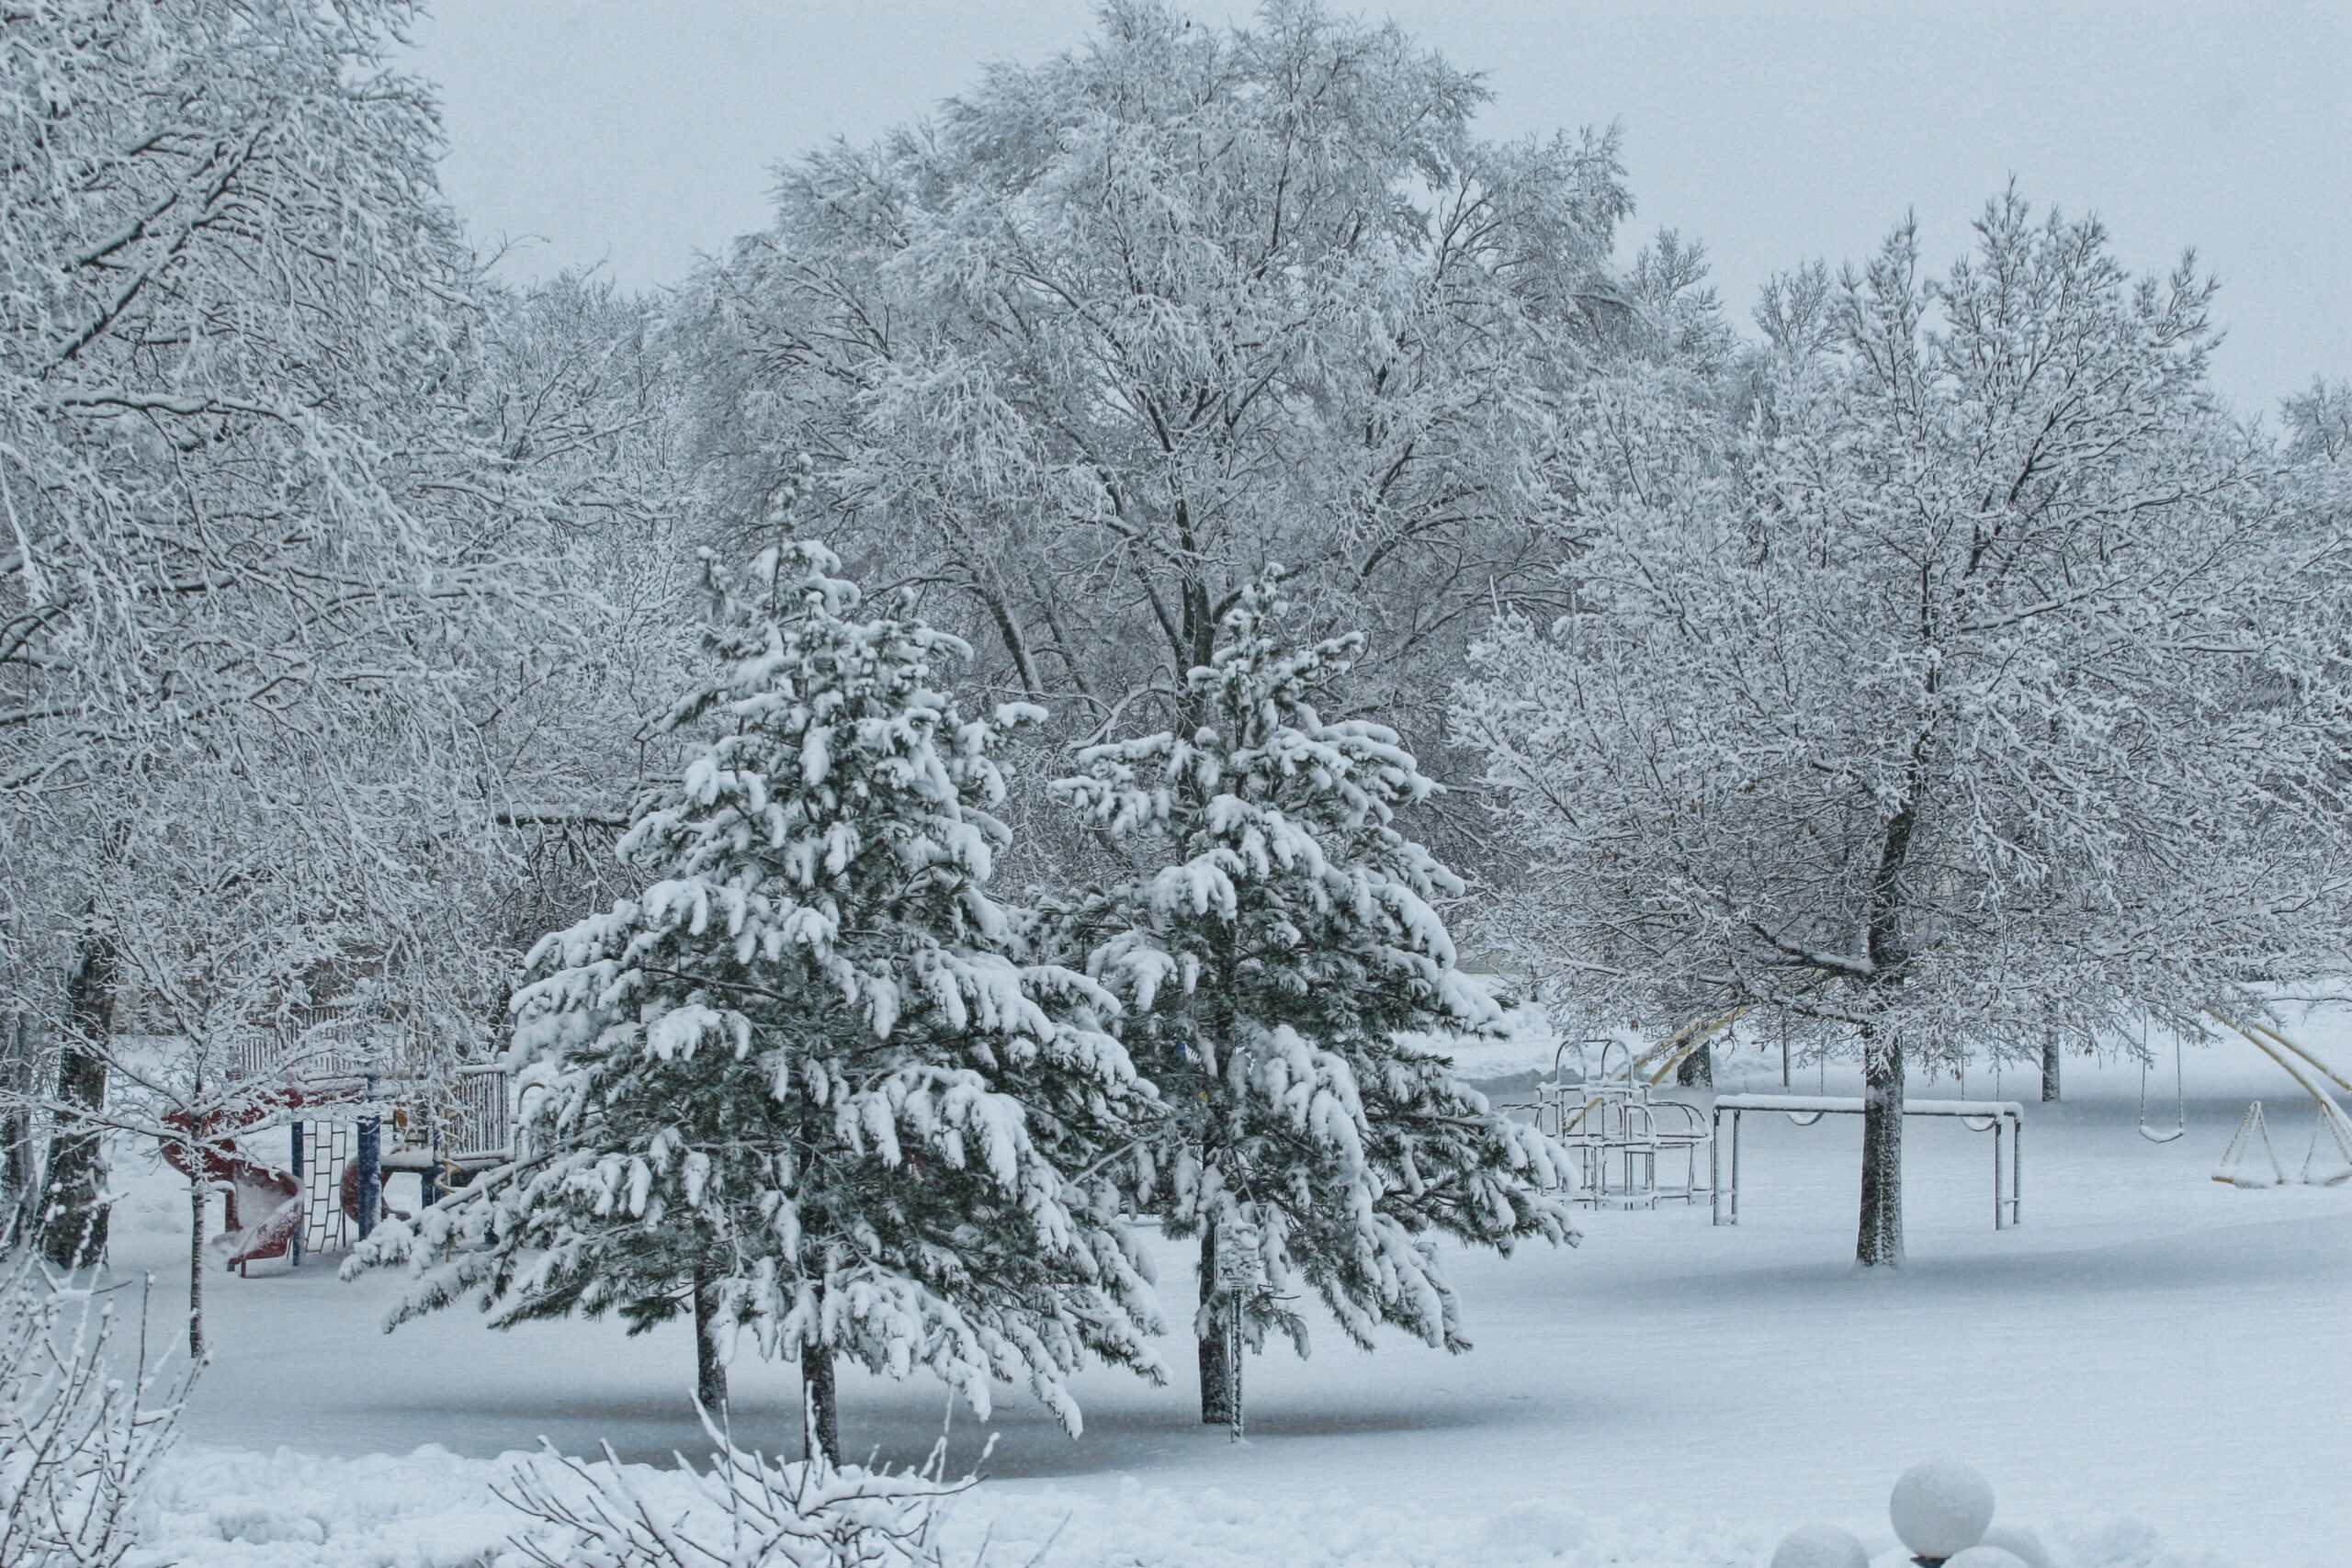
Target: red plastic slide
x=265 y=1202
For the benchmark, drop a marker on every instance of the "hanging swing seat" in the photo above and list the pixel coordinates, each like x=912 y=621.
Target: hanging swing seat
x=2180 y=1097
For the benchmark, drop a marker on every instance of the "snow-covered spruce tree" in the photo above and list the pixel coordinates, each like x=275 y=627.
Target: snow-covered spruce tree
x=804 y=1084
x=1987 y=684
x=1277 y=936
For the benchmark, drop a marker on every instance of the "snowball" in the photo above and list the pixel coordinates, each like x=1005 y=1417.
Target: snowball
x=1547 y=1528
x=1819 y=1546
x=1983 y=1556
x=2019 y=1543
x=1940 y=1507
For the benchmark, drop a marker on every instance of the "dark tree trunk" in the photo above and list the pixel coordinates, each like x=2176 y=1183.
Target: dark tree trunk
x=73 y=1223
x=1879 y=1244
x=18 y=1203
x=821 y=1410
x=2049 y=1070
x=199 y=1199
x=710 y=1373
x=1220 y=1367
x=1697 y=1069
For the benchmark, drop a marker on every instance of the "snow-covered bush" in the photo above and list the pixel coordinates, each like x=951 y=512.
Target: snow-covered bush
x=750 y=1513
x=79 y=1430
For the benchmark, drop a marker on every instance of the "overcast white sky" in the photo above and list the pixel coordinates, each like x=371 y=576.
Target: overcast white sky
x=638 y=134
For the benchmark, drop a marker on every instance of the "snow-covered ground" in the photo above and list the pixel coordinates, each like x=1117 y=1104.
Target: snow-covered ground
x=2153 y=1369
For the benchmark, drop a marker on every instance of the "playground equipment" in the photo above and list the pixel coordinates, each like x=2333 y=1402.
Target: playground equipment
x=2327 y=1130
x=2332 y=1132
x=333 y=1079
x=1619 y=1129
x=2001 y=1118
x=2313 y=1076
x=2179 y=1093
x=2252 y=1128
x=260 y=1200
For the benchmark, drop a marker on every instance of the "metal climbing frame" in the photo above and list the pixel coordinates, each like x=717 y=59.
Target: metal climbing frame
x=2003 y=1118
x=1619 y=1131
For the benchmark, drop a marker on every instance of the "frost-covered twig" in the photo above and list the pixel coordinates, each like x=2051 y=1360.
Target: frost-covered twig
x=746 y=1512
x=79 y=1432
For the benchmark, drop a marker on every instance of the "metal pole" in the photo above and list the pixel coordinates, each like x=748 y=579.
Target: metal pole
x=1714 y=1171
x=2017 y=1172
x=1999 y=1123
x=1734 y=1166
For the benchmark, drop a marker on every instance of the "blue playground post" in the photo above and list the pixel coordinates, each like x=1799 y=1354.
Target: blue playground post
x=302 y=1191
x=371 y=1169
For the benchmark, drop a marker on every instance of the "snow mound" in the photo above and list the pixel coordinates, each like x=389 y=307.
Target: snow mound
x=1820 y=1546
x=236 y=1508
x=2021 y=1544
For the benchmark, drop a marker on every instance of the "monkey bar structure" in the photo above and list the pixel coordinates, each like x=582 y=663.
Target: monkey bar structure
x=2003 y=1118
x=1619 y=1131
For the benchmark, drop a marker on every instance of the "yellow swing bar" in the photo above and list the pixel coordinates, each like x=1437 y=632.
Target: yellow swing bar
x=2325 y=1070
x=2300 y=1066
x=1678 y=1046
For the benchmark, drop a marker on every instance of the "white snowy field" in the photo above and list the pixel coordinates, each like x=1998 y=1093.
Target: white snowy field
x=2153 y=1369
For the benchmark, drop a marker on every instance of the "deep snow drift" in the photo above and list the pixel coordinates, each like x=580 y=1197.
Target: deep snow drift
x=2152 y=1370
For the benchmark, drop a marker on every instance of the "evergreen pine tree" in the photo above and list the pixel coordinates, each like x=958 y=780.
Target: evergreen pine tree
x=1278 y=936
x=804 y=1084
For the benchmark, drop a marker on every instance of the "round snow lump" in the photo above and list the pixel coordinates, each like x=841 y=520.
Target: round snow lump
x=1820 y=1546
x=1981 y=1556
x=1940 y=1507
x=2019 y=1543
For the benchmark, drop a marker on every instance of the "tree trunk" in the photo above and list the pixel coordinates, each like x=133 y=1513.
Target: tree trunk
x=73 y=1222
x=1220 y=1366
x=2049 y=1070
x=820 y=1409
x=1879 y=1244
x=18 y=1203
x=710 y=1373
x=1697 y=1069
x=199 y=1202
